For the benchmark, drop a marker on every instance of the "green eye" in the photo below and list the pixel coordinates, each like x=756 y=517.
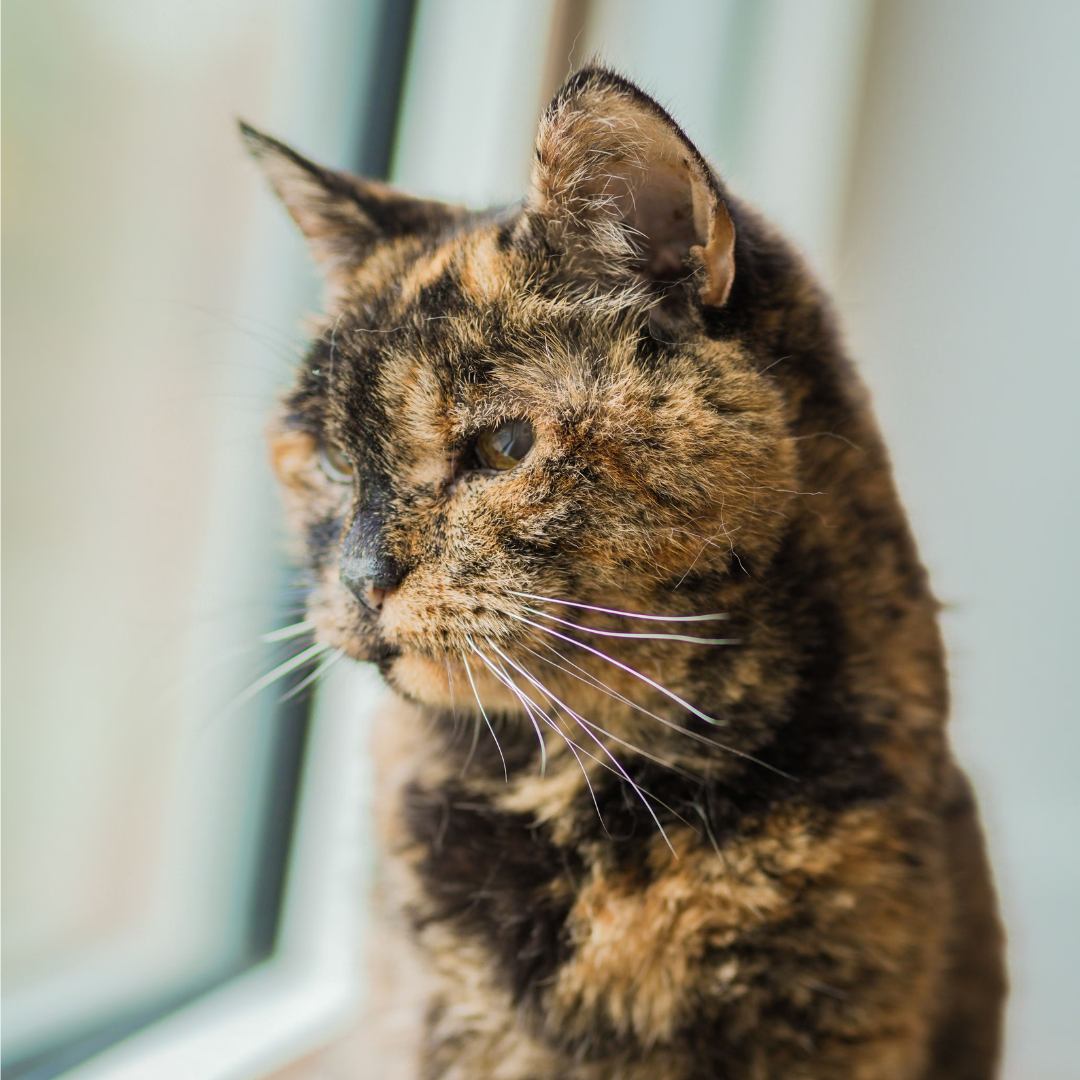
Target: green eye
x=335 y=464
x=503 y=447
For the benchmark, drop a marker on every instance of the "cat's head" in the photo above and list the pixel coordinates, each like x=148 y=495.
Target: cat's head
x=556 y=401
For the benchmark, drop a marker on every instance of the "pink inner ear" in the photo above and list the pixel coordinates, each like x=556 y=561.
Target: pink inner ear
x=660 y=207
x=603 y=159
x=673 y=216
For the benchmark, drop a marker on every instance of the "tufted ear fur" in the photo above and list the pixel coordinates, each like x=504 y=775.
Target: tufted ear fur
x=617 y=185
x=344 y=217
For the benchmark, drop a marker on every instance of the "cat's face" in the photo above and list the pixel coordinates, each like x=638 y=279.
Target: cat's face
x=502 y=409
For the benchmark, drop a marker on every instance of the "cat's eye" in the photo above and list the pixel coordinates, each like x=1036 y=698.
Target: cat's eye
x=503 y=447
x=335 y=463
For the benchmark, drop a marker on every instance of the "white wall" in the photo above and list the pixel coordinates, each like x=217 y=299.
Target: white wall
x=960 y=270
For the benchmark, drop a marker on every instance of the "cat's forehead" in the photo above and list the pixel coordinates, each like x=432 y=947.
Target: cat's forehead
x=466 y=330
x=437 y=274
x=466 y=311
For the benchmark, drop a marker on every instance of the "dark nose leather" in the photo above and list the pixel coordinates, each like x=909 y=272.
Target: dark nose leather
x=370 y=578
x=367 y=569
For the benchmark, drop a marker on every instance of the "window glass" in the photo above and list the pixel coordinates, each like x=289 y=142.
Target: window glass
x=153 y=298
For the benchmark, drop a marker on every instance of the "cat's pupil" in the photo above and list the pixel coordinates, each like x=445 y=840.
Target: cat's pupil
x=513 y=439
x=503 y=447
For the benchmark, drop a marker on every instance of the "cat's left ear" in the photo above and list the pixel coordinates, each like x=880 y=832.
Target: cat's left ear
x=344 y=217
x=617 y=187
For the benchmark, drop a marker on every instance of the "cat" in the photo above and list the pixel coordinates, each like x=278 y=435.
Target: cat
x=592 y=483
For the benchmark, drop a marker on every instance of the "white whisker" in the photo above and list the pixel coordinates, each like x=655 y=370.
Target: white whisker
x=596 y=684
x=483 y=713
x=527 y=703
x=279 y=672
x=664 y=690
x=619 y=664
x=288 y=631
x=622 y=634
x=636 y=749
x=570 y=744
x=615 y=611
x=584 y=725
x=453 y=708
x=318 y=673
x=591 y=680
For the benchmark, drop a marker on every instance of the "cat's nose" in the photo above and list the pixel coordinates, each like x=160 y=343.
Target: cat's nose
x=371 y=579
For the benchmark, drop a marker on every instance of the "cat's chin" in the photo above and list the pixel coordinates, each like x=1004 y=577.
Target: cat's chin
x=446 y=684
x=420 y=678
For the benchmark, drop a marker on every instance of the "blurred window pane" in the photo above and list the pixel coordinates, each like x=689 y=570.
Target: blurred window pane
x=154 y=297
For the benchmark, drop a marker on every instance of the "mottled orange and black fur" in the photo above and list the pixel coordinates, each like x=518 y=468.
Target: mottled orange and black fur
x=745 y=857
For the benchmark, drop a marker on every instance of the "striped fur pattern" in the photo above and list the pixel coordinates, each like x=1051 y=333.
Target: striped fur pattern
x=628 y=839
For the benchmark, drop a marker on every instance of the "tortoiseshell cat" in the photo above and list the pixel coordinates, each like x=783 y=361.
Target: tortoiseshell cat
x=595 y=473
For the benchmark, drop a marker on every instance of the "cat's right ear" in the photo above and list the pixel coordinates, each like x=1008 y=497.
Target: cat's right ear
x=618 y=190
x=344 y=217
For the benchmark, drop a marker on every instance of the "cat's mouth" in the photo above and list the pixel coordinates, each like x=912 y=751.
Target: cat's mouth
x=383 y=654
x=410 y=645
